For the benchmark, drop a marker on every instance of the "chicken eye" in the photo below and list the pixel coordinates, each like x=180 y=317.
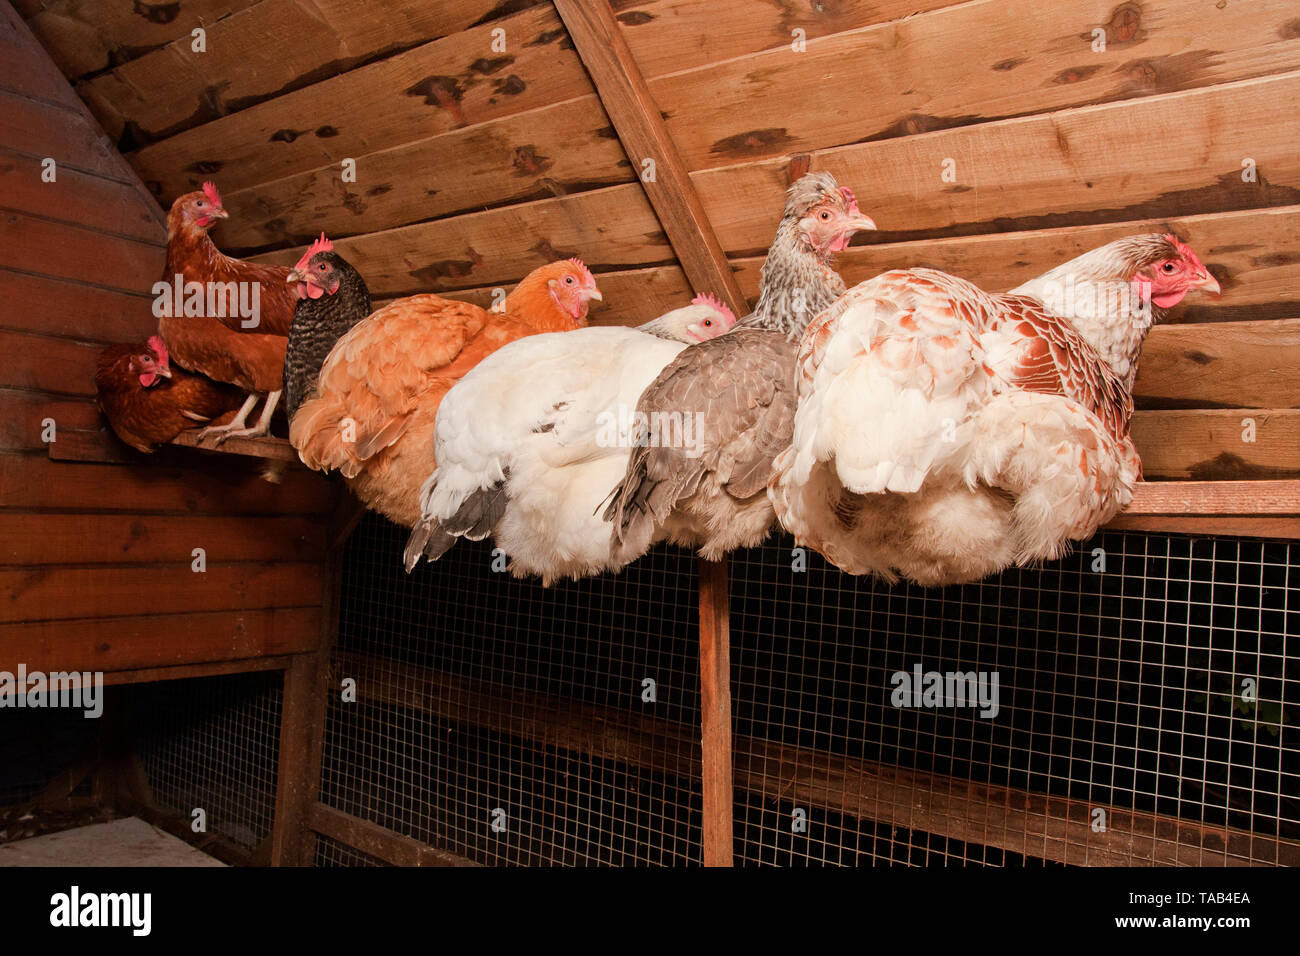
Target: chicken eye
x=708 y=323
x=568 y=280
x=321 y=267
x=825 y=215
x=200 y=203
x=1169 y=268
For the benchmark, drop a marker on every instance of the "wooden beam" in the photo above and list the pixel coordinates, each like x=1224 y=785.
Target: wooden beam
x=715 y=713
x=636 y=117
x=293 y=780
x=1215 y=498
x=377 y=841
x=148 y=675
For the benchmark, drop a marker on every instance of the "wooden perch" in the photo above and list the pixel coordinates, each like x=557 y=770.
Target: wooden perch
x=101 y=446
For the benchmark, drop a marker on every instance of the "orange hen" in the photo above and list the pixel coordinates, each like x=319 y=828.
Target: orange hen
x=372 y=416
x=222 y=335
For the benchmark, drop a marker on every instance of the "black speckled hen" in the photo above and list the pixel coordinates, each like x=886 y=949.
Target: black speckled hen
x=332 y=298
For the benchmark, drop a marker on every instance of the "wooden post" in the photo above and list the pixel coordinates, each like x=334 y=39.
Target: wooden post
x=715 y=713
x=623 y=92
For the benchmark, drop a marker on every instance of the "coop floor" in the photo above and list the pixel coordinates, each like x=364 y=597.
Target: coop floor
x=127 y=842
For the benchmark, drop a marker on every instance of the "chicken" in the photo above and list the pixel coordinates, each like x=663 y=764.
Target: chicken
x=147 y=402
x=372 y=415
x=705 y=318
x=234 y=324
x=944 y=433
x=332 y=298
x=713 y=495
x=530 y=443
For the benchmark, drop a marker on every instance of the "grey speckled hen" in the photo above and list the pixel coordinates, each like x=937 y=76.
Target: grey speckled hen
x=739 y=390
x=332 y=298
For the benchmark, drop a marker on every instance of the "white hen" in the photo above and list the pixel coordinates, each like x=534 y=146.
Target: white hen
x=944 y=433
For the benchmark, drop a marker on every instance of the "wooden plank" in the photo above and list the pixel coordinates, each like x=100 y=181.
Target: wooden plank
x=1173 y=498
x=51 y=594
x=501 y=245
x=1241 y=364
x=248 y=60
x=88 y=201
x=83 y=36
x=147 y=675
x=1233 y=526
x=86 y=312
x=1033 y=824
x=1076 y=167
x=269 y=447
x=1212 y=445
x=923 y=73
x=65 y=251
x=718 y=784
x=22 y=414
x=292 y=785
x=27 y=540
x=378 y=842
x=451 y=82
x=64 y=366
x=39 y=129
x=132 y=643
x=217 y=486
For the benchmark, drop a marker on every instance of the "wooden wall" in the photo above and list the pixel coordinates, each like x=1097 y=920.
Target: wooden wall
x=475 y=164
x=95 y=559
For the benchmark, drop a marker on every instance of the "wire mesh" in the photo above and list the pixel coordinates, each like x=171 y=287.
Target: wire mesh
x=1144 y=676
x=330 y=852
x=1142 y=673
x=213 y=744
x=510 y=723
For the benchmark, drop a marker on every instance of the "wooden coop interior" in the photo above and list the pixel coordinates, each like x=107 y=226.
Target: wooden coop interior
x=479 y=698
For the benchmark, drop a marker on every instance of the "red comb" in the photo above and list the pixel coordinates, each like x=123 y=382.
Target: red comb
x=1184 y=250
x=159 y=348
x=586 y=273
x=210 y=190
x=709 y=299
x=320 y=245
x=850 y=198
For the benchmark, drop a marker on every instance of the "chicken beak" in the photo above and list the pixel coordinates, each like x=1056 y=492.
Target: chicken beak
x=164 y=371
x=1209 y=284
x=860 y=222
x=594 y=293
x=220 y=214
x=295 y=275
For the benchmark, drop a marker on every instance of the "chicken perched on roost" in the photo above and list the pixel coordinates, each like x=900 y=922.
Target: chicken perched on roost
x=945 y=433
x=713 y=495
x=236 y=329
x=332 y=298
x=378 y=393
x=148 y=403
x=530 y=443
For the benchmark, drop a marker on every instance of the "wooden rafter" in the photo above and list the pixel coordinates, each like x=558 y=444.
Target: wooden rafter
x=623 y=92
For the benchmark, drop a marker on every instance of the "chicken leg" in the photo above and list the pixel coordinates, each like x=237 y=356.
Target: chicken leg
x=235 y=427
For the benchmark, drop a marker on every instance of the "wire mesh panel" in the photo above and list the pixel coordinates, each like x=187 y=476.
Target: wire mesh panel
x=1131 y=703
x=510 y=723
x=330 y=852
x=213 y=744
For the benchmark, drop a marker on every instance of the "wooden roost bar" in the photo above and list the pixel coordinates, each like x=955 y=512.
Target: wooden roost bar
x=454 y=147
